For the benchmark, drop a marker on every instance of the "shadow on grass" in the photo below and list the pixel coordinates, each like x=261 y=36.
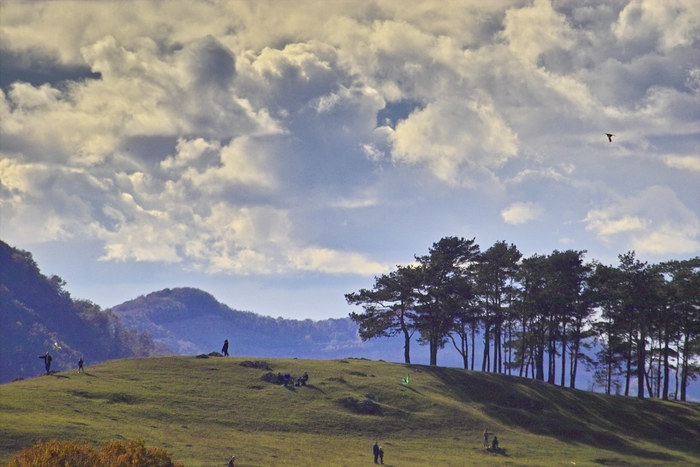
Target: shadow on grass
x=573 y=416
x=410 y=388
x=315 y=388
x=498 y=452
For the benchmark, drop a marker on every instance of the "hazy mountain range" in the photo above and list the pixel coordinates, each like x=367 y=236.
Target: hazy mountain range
x=191 y=321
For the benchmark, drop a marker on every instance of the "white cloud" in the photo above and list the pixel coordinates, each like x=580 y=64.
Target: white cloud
x=335 y=262
x=654 y=221
x=691 y=163
x=662 y=25
x=537 y=29
x=521 y=213
x=453 y=136
x=274 y=138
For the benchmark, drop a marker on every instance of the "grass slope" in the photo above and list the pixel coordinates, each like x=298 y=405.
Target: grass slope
x=203 y=410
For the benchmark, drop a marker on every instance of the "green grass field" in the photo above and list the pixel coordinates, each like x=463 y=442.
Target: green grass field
x=204 y=410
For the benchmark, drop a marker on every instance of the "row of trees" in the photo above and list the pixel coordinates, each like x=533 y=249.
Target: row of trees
x=641 y=321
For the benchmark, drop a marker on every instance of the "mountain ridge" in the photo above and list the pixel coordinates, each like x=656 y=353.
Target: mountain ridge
x=190 y=320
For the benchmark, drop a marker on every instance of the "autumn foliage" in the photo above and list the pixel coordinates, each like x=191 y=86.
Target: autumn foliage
x=80 y=454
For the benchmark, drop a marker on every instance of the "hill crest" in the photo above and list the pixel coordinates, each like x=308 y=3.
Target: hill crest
x=205 y=409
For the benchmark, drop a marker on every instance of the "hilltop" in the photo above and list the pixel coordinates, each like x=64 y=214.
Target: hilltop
x=191 y=321
x=203 y=409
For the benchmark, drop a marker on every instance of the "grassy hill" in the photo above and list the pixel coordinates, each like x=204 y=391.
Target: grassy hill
x=203 y=410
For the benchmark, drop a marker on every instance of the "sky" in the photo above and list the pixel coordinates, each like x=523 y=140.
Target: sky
x=280 y=154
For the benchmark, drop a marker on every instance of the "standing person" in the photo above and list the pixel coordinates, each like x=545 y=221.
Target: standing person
x=80 y=365
x=375 y=451
x=224 y=349
x=232 y=462
x=47 y=362
x=486 y=438
x=381 y=454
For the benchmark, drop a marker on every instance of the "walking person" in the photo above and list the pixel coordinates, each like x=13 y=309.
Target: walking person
x=224 y=349
x=375 y=451
x=80 y=365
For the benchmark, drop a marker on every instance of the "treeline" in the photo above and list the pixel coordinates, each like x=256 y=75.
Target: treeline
x=537 y=315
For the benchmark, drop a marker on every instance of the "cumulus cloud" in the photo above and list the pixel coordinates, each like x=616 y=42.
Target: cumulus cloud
x=653 y=221
x=276 y=137
x=521 y=213
x=683 y=162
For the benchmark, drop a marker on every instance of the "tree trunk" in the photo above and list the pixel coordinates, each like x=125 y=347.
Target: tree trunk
x=433 y=351
x=552 y=353
x=563 y=358
x=406 y=346
x=684 y=370
x=539 y=364
x=574 y=363
x=664 y=395
x=628 y=374
x=641 y=363
x=485 y=363
x=473 y=330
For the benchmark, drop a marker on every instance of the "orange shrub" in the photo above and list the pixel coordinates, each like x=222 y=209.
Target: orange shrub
x=56 y=453
x=134 y=453
x=72 y=453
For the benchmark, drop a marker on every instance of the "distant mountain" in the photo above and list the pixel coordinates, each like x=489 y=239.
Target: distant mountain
x=190 y=321
x=38 y=316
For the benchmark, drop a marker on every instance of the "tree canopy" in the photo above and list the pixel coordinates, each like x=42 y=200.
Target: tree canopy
x=538 y=315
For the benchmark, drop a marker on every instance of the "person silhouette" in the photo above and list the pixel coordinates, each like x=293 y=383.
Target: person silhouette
x=47 y=362
x=224 y=349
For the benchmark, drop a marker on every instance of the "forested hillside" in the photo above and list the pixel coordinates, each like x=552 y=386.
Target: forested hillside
x=37 y=316
x=191 y=321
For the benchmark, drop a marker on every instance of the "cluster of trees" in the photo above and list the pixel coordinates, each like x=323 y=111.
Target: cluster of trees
x=642 y=320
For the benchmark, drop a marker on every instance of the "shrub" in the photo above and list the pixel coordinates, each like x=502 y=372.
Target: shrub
x=135 y=452
x=56 y=453
x=76 y=454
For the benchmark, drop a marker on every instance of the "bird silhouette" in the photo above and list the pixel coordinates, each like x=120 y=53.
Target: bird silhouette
x=609 y=135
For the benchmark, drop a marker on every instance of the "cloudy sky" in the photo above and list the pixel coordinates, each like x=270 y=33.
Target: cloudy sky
x=280 y=154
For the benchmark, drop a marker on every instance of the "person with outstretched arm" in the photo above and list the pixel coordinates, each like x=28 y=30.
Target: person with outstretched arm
x=47 y=362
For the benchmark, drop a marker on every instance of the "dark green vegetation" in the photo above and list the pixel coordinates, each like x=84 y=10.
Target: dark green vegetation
x=37 y=315
x=537 y=315
x=203 y=410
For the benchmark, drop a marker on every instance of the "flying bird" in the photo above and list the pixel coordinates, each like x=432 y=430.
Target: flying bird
x=609 y=135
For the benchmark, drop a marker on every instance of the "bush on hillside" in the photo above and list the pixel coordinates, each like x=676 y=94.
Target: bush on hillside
x=56 y=452
x=80 y=454
x=135 y=452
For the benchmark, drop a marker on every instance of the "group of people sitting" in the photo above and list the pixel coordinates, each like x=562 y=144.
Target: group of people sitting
x=289 y=380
